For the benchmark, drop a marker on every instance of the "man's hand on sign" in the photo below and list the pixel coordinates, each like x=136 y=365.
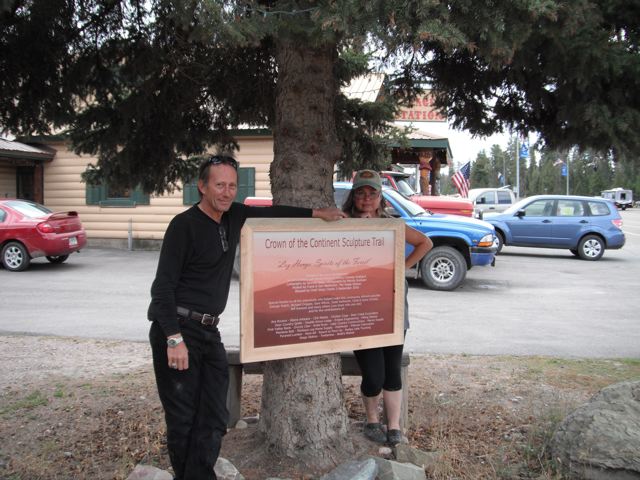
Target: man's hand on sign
x=329 y=214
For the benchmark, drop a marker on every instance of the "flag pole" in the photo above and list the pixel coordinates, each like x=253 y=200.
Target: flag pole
x=517 y=167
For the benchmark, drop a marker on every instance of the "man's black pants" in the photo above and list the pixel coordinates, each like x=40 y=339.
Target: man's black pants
x=194 y=400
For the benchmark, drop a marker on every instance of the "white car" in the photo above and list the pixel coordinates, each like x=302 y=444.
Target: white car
x=494 y=200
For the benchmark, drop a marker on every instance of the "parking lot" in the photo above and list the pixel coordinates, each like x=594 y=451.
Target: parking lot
x=533 y=302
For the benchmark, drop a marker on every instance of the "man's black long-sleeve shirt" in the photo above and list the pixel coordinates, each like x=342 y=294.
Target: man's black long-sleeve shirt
x=193 y=270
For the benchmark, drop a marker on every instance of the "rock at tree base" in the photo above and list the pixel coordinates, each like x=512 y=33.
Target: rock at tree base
x=601 y=439
x=147 y=472
x=390 y=470
x=426 y=460
x=225 y=470
x=354 y=470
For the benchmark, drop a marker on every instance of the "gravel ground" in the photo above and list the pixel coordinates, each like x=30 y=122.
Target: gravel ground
x=81 y=408
x=31 y=359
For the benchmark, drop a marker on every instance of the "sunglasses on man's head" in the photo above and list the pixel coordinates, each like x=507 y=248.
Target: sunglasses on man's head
x=218 y=159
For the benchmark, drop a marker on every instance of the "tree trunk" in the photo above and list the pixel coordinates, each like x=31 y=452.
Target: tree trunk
x=303 y=412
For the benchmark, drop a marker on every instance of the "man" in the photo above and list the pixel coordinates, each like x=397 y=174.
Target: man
x=187 y=296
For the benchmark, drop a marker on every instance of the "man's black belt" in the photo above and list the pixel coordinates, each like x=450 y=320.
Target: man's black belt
x=202 y=318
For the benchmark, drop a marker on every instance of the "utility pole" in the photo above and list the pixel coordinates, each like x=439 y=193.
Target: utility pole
x=517 y=168
x=567 y=174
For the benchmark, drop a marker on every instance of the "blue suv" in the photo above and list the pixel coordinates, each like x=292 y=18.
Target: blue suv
x=587 y=226
x=459 y=243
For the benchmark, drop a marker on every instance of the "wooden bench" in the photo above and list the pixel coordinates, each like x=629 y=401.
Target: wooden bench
x=349 y=368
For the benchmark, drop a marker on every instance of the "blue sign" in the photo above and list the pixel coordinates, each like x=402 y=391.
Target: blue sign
x=524 y=150
x=563 y=170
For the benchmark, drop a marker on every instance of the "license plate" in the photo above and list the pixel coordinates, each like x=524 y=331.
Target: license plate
x=73 y=241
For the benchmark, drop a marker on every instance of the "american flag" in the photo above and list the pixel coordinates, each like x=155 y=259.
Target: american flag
x=461 y=179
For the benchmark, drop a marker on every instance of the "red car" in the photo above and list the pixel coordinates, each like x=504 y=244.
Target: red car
x=30 y=230
x=435 y=204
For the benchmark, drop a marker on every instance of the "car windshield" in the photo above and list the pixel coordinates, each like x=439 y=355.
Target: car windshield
x=412 y=209
x=29 y=209
x=405 y=188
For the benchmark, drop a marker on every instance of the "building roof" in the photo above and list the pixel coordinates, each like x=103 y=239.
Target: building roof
x=10 y=149
x=366 y=88
x=422 y=139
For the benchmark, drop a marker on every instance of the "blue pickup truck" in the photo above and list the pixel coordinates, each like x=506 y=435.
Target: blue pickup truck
x=459 y=243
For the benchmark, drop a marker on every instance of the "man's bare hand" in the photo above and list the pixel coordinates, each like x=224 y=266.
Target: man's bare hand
x=178 y=357
x=329 y=214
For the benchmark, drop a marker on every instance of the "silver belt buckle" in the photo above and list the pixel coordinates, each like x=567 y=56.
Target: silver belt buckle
x=207 y=319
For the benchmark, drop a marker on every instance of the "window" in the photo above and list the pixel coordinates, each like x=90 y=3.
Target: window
x=598 y=208
x=504 y=197
x=540 y=208
x=106 y=196
x=246 y=187
x=488 y=198
x=570 y=208
x=29 y=209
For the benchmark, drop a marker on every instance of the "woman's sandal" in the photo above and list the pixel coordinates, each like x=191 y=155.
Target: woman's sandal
x=374 y=431
x=394 y=437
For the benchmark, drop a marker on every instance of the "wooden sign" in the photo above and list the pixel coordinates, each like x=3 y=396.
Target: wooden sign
x=310 y=287
x=422 y=110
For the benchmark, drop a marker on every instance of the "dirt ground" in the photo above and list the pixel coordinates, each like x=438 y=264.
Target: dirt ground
x=77 y=408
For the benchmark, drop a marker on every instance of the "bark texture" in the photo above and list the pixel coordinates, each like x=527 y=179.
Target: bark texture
x=303 y=413
x=306 y=145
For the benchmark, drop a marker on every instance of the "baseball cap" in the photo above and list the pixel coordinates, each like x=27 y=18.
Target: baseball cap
x=367 y=178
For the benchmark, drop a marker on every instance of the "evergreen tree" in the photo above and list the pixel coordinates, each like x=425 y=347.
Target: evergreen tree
x=481 y=171
x=501 y=165
x=145 y=85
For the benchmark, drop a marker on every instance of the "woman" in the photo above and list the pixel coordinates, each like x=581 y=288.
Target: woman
x=380 y=366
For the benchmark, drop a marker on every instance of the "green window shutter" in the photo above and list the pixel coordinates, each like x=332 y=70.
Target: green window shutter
x=190 y=193
x=246 y=183
x=95 y=194
x=139 y=197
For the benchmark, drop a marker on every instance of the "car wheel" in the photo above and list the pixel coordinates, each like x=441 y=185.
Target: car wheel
x=57 y=258
x=591 y=247
x=443 y=268
x=498 y=242
x=15 y=257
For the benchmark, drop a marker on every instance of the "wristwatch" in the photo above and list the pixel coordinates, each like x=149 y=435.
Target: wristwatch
x=174 y=341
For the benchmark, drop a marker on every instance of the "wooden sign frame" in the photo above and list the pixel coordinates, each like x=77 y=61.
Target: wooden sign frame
x=310 y=287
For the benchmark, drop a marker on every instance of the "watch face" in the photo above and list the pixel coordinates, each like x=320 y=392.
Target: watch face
x=173 y=342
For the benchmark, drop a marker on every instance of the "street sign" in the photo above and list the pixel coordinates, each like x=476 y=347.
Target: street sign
x=524 y=150
x=563 y=170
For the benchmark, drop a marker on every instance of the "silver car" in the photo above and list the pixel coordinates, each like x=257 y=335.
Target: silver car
x=494 y=200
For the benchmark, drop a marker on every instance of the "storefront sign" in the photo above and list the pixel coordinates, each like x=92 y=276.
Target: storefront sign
x=310 y=287
x=421 y=111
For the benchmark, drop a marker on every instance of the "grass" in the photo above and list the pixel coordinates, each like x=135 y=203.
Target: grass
x=32 y=400
x=494 y=417
x=488 y=417
x=59 y=391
